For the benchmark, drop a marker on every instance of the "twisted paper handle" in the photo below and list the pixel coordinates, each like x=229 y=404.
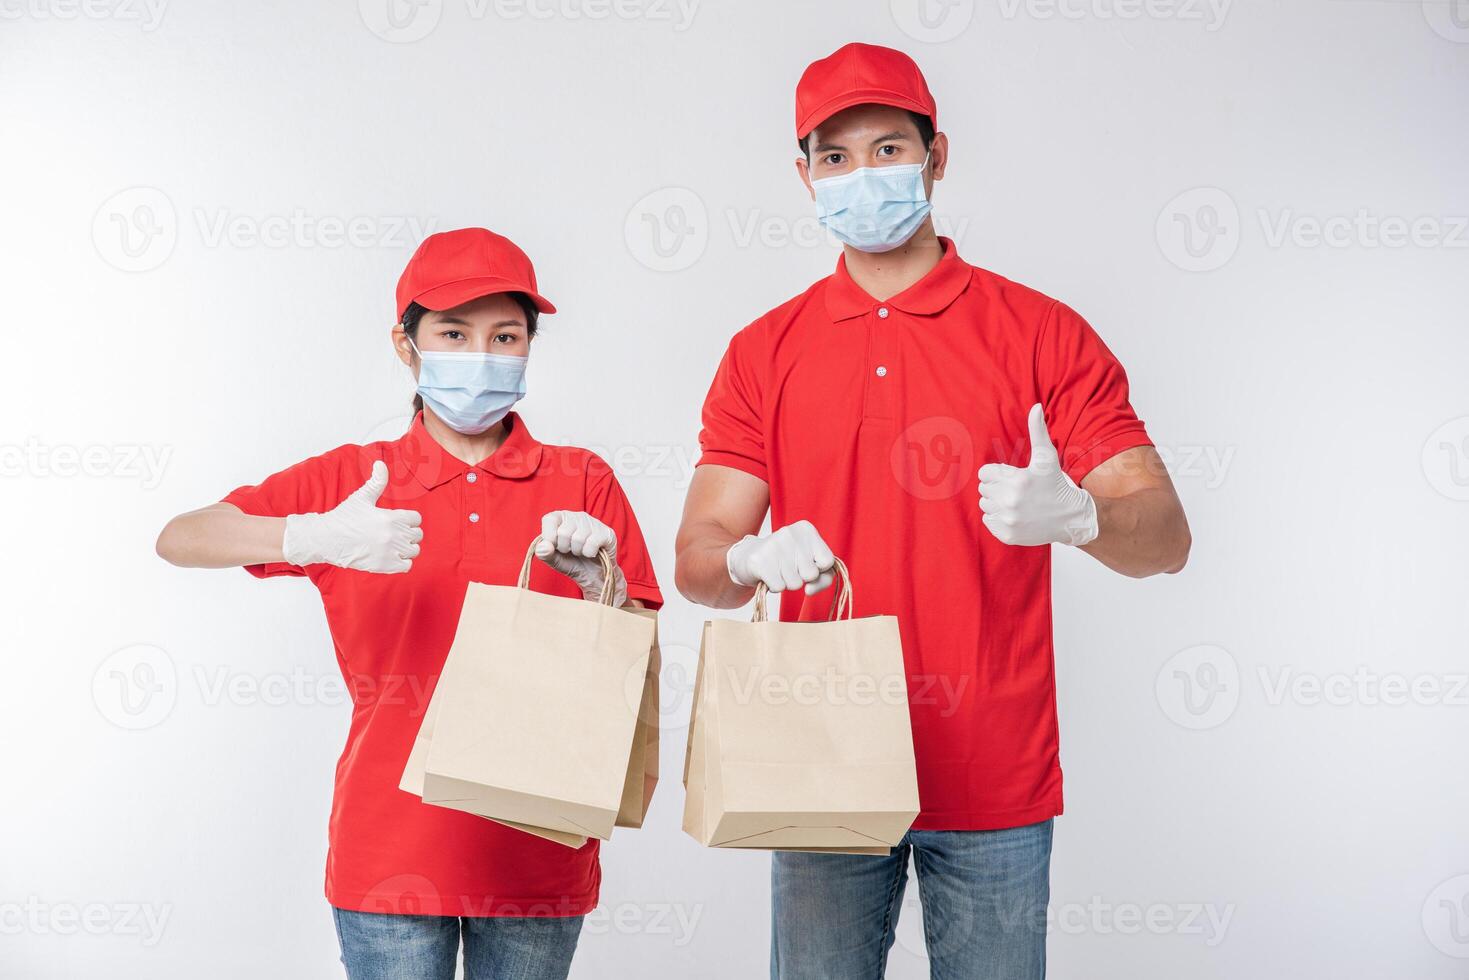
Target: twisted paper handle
x=841 y=604
x=609 y=571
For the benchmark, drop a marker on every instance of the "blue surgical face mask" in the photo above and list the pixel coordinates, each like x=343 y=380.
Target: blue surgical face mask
x=469 y=392
x=873 y=209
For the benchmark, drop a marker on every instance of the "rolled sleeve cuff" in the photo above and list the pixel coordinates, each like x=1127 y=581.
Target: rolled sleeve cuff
x=720 y=457
x=1078 y=465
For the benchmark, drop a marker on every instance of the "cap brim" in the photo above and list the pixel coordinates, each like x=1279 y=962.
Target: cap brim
x=452 y=294
x=846 y=100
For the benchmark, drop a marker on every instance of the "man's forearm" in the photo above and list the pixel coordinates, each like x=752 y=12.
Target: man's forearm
x=700 y=572
x=1141 y=533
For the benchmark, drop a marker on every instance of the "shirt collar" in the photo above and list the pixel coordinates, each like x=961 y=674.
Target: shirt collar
x=932 y=294
x=517 y=457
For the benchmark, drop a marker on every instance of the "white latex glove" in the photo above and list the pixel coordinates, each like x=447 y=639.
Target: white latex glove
x=357 y=533
x=570 y=540
x=790 y=558
x=1039 y=504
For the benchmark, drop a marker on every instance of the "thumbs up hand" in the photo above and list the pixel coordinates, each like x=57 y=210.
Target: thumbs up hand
x=357 y=533
x=1039 y=504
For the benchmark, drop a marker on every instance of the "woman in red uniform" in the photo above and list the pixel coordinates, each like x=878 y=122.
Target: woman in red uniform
x=391 y=534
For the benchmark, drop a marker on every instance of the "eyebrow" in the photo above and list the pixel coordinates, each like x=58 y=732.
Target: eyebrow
x=895 y=135
x=457 y=322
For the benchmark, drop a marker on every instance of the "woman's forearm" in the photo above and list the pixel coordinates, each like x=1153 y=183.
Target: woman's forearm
x=221 y=536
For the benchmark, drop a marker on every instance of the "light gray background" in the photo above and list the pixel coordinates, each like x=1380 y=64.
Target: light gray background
x=1264 y=754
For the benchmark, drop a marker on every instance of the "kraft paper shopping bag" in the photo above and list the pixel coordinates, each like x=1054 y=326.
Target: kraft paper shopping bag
x=642 y=765
x=800 y=737
x=535 y=715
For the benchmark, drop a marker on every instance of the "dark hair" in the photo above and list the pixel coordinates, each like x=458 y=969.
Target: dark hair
x=414 y=313
x=925 y=133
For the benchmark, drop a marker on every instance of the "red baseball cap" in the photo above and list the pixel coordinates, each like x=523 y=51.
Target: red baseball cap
x=856 y=74
x=454 y=267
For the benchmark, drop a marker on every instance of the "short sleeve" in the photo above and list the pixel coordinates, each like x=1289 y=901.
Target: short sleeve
x=1084 y=390
x=606 y=502
x=311 y=486
x=733 y=432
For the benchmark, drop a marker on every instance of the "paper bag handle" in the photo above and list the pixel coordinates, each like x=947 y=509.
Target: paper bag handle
x=609 y=572
x=841 y=601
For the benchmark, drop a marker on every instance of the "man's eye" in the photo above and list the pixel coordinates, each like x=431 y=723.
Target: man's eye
x=832 y=159
x=887 y=150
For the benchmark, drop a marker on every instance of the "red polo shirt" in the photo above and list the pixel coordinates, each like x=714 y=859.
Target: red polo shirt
x=390 y=851
x=871 y=419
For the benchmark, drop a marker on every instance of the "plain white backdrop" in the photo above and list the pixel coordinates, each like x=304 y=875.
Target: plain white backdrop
x=1260 y=205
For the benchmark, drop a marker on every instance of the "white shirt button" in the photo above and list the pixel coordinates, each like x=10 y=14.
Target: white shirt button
x=882 y=372
x=882 y=312
x=471 y=476
x=474 y=518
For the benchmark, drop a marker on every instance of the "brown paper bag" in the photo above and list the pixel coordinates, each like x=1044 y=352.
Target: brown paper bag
x=642 y=764
x=533 y=720
x=800 y=737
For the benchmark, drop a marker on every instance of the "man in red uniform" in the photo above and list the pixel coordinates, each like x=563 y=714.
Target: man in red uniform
x=859 y=414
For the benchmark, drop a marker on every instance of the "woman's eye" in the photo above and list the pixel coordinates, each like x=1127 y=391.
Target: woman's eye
x=505 y=338
x=453 y=335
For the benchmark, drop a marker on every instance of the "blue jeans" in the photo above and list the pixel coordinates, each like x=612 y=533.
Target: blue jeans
x=984 y=895
x=378 y=946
